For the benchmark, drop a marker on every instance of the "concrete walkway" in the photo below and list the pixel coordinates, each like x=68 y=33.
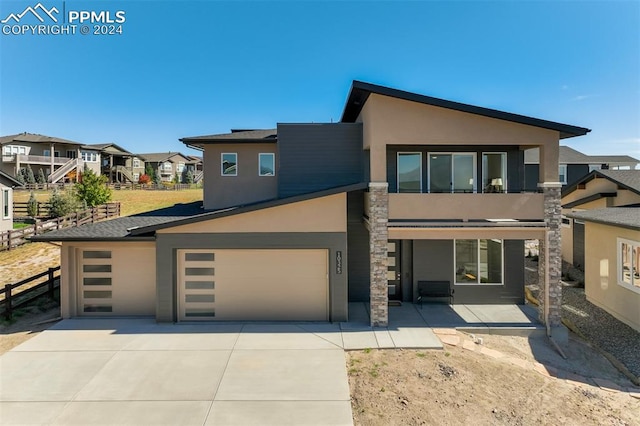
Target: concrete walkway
x=94 y=371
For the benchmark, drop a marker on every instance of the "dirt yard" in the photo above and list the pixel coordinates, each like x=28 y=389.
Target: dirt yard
x=27 y=323
x=505 y=381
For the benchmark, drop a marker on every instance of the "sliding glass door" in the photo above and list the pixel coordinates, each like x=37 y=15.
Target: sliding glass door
x=452 y=172
x=410 y=172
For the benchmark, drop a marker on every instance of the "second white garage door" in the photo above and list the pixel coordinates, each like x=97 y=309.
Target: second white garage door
x=253 y=285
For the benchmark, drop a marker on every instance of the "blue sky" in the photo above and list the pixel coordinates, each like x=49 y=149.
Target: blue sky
x=184 y=68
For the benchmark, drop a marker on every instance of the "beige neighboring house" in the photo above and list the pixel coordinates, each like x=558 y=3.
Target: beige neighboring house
x=167 y=164
x=7 y=183
x=597 y=190
x=59 y=159
x=117 y=163
x=612 y=260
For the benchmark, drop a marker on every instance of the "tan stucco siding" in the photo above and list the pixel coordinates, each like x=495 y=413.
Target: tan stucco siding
x=325 y=214
x=247 y=187
x=391 y=121
x=601 y=273
x=566 y=235
x=133 y=277
x=625 y=198
x=592 y=187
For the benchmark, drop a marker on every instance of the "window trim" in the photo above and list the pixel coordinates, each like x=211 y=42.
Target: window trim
x=135 y=163
x=505 y=188
x=91 y=155
x=6 y=200
x=453 y=153
x=560 y=167
x=398 y=171
x=260 y=154
x=619 y=278
x=222 y=173
x=479 y=283
x=562 y=221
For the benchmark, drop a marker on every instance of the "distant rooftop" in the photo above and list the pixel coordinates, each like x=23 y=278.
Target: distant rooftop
x=627 y=217
x=236 y=135
x=568 y=155
x=34 y=138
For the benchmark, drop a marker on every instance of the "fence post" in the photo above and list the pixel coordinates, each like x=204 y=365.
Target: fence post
x=7 y=301
x=9 y=239
x=50 y=283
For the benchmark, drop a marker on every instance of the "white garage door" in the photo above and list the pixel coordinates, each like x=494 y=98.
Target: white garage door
x=289 y=285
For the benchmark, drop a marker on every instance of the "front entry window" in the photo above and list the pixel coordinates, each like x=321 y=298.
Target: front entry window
x=478 y=261
x=410 y=172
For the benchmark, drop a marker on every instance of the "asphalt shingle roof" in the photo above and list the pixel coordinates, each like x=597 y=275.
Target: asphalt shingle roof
x=628 y=178
x=236 y=136
x=568 y=155
x=628 y=217
x=157 y=157
x=32 y=137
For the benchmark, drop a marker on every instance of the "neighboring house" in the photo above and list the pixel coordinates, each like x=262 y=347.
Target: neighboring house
x=300 y=220
x=574 y=165
x=116 y=163
x=167 y=164
x=196 y=166
x=60 y=159
x=612 y=260
x=597 y=190
x=137 y=166
x=7 y=183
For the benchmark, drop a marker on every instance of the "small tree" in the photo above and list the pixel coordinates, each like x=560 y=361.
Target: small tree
x=41 y=178
x=176 y=178
x=30 y=178
x=93 y=189
x=148 y=170
x=20 y=176
x=32 y=205
x=156 y=179
x=187 y=176
x=61 y=203
x=144 y=179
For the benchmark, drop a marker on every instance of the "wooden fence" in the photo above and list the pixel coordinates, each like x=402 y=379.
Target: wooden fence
x=12 y=297
x=20 y=209
x=16 y=237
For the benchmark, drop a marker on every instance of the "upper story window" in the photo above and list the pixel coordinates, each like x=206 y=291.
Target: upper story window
x=136 y=163
x=266 y=164
x=229 y=164
x=629 y=264
x=89 y=156
x=14 y=149
x=562 y=174
x=478 y=261
x=410 y=172
x=494 y=172
x=180 y=167
x=47 y=153
x=452 y=172
x=72 y=153
x=166 y=166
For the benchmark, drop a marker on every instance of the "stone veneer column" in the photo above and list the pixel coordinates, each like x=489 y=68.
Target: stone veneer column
x=550 y=259
x=378 y=240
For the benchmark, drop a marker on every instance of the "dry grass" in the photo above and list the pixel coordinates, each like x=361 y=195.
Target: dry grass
x=133 y=202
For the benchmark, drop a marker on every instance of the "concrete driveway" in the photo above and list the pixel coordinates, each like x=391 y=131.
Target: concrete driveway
x=95 y=371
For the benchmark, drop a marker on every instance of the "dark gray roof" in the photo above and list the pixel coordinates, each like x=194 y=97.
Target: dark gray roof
x=568 y=155
x=144 y=225
x=35 y=138
x=628 y=179
x=9 y=180
x=157 y=157
x=105 y=146
x=360 y=92
x=238 y=135
x=626 y=217
x=120 y=228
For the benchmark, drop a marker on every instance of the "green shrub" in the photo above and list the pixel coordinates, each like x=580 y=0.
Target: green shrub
x=92 y=190
x=32 y=205
x=61 y=203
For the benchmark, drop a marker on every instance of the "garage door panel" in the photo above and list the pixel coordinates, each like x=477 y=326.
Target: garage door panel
x=263 y=285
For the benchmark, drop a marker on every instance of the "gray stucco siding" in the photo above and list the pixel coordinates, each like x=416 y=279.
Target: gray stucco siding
x=433 y=261
x=166 y=262
x=358 y=248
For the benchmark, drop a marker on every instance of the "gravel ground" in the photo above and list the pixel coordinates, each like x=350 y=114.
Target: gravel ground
x=600 y=327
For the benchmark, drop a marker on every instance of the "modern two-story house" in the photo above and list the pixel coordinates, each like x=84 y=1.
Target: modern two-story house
x=299 y=220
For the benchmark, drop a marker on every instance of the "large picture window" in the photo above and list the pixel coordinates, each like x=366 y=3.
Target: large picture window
x=479 y=262
x=266 y=164
x=494 y=172
x=410 y=172
x=452 y=172
x=229 y=164
x=629 y=264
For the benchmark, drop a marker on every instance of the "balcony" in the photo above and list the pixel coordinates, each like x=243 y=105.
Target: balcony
x=33 y=159
x=519 y=206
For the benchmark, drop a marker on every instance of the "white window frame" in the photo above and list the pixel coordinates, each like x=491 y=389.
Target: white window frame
x=505 y=170
x=269 y=154
x=563 y=174
x=6 y=201
x=89 y=156
x=398 y=171
x=136 y=163
x=180 y=167
x=222 y=154
x=479 y=283
x=619 y=278
x=475 y=169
